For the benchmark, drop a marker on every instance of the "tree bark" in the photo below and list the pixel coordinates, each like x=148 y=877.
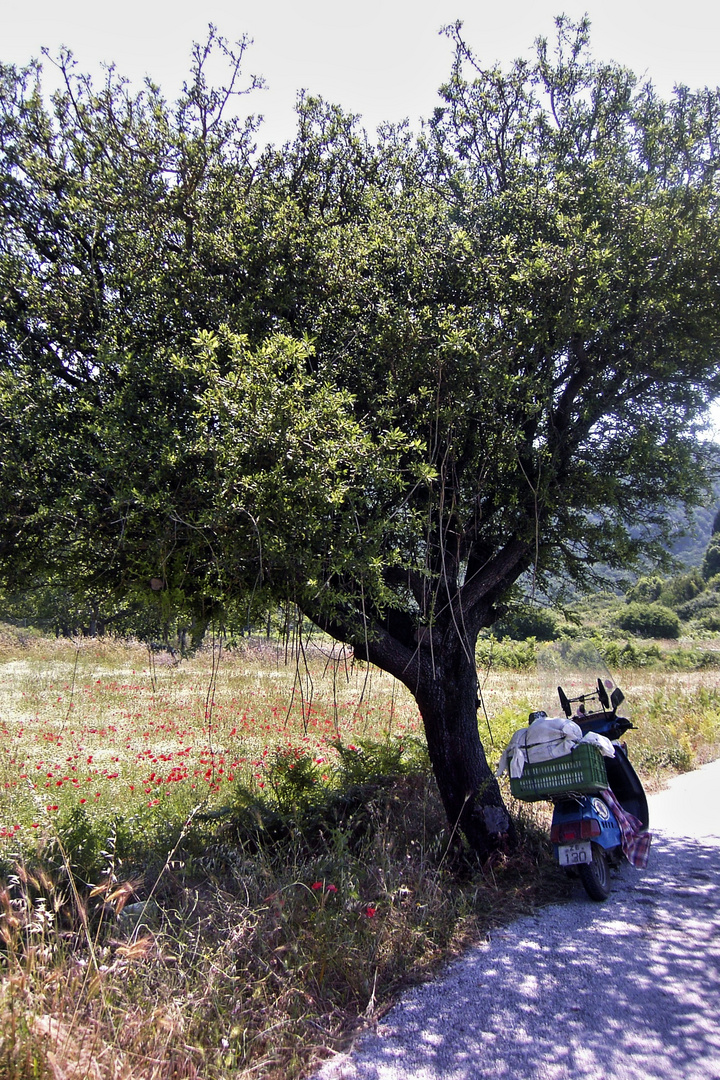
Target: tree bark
x=447 y=697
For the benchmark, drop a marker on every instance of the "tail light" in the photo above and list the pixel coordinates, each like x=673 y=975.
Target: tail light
x=567 y=832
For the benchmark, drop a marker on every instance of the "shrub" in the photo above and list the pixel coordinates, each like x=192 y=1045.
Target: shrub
x=506 y=655
x=706 y=601
x=527 y=621
x=649 y=620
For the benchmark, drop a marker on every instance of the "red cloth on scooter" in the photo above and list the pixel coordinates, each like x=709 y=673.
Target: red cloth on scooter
x=635 y=841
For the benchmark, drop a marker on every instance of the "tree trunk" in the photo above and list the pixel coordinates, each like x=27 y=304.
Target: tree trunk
x=438 y=667
x=446 y=694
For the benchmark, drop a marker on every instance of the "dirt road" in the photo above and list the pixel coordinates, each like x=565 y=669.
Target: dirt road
x=625 y=990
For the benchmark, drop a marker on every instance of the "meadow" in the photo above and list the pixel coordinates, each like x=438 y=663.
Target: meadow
x=219 y=868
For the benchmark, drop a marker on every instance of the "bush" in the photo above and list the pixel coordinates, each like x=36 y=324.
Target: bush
x=631 y=654
x=526 y=621
x=705 y=602
x=649 y=620
x=710 y=621
x=506 y=655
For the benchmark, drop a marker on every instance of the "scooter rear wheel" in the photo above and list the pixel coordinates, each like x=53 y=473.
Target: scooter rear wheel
x=595 y=875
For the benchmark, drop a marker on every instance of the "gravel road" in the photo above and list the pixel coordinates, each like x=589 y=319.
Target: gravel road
x=625 y=990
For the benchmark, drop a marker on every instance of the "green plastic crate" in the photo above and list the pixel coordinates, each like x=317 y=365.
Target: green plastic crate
x=582 y=771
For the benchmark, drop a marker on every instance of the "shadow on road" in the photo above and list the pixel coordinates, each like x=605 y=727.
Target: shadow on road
x=629 y=989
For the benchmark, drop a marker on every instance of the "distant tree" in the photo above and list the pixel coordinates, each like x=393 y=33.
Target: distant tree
x=682 y=588
x=711 y=562
x=646 y=589
x=381 y=381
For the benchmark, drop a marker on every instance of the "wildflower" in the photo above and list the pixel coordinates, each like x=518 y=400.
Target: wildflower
x=331 y=888
x=370 y=911
x=316 y=885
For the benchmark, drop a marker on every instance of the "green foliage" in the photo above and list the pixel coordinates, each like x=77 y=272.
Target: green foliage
x=682 y=589
x=646 y=590
x=675 y=730
x=507 y=655
x=650 y=620
x=76 y=846
x=692 y=595
x=90 y=847
x=524 y=621
x=306 y=802
x=367 y=760
x=704 y=602
x=275 y=953
x=215 y=460
x=292 y=781
x=630 y=654
x=711 y=561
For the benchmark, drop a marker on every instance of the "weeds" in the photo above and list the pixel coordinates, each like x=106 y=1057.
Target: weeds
x=220 y=893
x=249 y=955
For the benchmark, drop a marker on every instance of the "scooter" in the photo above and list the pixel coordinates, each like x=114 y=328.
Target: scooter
x=591 y=832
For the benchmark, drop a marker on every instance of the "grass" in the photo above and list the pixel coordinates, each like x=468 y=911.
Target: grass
x=221 y=869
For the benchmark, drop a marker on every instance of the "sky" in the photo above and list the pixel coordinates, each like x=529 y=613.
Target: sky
x=382 y=59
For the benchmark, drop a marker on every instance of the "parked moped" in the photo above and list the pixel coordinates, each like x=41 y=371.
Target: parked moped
x=587 y=830
x=600 y=811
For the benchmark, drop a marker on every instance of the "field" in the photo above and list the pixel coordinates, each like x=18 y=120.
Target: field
x=214 y=869
x=116 y=729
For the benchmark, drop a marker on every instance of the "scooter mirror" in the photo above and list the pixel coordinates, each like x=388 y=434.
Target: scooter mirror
x=602 y=694
x=564 y=702
x=616 y=698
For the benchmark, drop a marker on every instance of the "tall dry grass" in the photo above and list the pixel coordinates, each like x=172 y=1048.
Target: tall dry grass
x=181 y=898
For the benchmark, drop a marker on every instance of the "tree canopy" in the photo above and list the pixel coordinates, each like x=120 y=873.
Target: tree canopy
x=386 y=379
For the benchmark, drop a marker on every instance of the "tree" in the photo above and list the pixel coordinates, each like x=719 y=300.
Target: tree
x=412 y=375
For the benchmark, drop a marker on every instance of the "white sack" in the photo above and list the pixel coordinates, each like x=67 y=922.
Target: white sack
x=604 y=745
x=548 y=738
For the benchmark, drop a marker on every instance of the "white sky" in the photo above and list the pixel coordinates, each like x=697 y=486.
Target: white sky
x=383 y=59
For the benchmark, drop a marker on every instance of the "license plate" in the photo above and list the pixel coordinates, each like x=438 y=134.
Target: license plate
x=572 y=854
